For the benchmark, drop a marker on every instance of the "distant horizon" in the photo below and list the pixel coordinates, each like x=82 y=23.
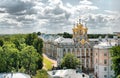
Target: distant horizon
x=49 y=33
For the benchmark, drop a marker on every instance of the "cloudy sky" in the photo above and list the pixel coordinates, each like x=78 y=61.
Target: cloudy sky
x=57 y=16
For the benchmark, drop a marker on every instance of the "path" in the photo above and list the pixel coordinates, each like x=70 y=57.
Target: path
x=54 y=62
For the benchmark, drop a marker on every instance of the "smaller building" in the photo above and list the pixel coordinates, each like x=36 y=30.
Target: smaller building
x=102 y=59
x=67 y=73
x=14 y=75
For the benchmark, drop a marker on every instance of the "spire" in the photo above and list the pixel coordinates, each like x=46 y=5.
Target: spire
x=74 y=25
x=85 y=24
x=79 y=20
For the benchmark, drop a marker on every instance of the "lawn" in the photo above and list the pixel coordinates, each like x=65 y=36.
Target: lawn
x=47 y=64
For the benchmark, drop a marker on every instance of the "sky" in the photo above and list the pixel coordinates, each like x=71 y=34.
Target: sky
x=58 y=16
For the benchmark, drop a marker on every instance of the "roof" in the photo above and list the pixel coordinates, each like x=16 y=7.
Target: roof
x=14 y=75
x=67 y=73
x=63 y=40
x=94 y=39
x=105 y=44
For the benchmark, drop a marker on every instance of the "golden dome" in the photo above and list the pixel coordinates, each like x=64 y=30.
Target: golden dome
x=82 y=41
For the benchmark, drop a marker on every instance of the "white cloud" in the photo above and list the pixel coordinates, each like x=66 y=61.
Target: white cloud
x=54 y=16
x=86 y=2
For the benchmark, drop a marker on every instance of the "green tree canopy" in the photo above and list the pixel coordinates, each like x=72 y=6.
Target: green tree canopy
x=30 y=38
x=8 y=63
x=70 y=61
x=38 y=44
x=38 y=33
x=41 y=74
x=30 y=58
x=1 y=42
x=115 y=54
x=67 y=35
x=21 y=53
x=118 y=76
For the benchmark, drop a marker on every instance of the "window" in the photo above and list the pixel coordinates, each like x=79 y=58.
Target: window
x=105 y=69
x=87 y=61
x=105 y=76
x=82 y=60
x=96 y=60
x=96 y=53
x=87 y=66
x=105 y=61
x=91 y=54
x=68 y=50
x=105 y=54
x=64 y=50
x=87 y=54
x=111 y=76
x=111 y=67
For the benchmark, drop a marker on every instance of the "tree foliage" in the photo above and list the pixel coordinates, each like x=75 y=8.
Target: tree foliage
x=30 y=59
x=21 y=53
x=38 y=33
x=67 y=35
x=115 y=54
x=1 y=42
x=41 y=74
x=118 y=76
x=32 y=39
x=102 y=35
x=38 y=44
x=70 y=61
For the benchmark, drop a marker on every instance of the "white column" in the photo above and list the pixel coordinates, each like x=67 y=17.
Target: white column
x=57 y=54
x=85 y=56
x=71 y=50
x=66 y=50
x=89 y=57
x=62 y=52
x=75 y=51
x=80 y=54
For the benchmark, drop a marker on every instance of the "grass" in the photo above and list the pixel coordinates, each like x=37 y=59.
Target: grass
x=47 y=64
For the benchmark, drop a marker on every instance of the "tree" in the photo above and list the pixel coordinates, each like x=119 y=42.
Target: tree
x=21 y=52
x=17 y=44
x=30 y=58
x=67 y=35
x=1 y=42
x=118 y=76
x=30 y=38
x=41 y=74
x=38 y=44
x=115 y=54
x=38 y=33
x=2 y=61
x=70 y=61
x=8 y=63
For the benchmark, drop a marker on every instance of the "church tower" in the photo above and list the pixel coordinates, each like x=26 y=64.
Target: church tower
x=80 y=33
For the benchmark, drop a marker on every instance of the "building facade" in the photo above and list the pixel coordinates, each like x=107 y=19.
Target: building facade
x=79 y=46
x=102 y=59
x=94 y=54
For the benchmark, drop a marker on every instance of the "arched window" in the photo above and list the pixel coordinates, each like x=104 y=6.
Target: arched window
x=68 y=50
x=64 y=50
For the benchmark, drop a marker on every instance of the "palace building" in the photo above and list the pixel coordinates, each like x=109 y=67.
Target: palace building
x=79 y=45
x=92 y=53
